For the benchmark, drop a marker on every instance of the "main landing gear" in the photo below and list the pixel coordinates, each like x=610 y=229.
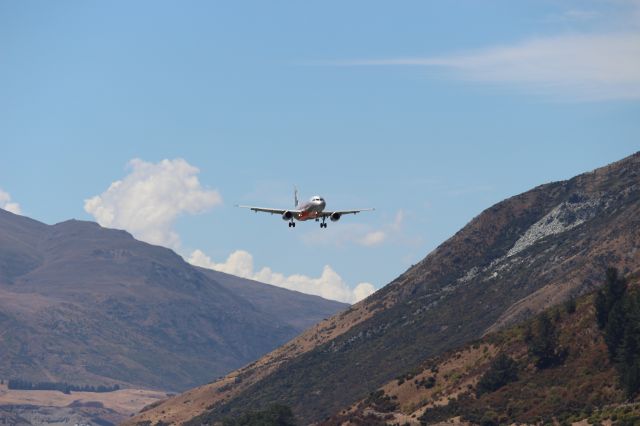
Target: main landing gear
x=292 y=224
x=323 y=224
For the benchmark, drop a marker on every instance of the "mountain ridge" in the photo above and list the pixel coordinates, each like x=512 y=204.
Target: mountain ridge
x=84 y=304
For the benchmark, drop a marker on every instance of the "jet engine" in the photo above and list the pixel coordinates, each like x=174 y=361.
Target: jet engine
x=287 y=215
x=335 y=217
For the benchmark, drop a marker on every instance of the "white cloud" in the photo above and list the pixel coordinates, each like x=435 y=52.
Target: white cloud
x=379 y=236
x=373 y=238
x=328 y=285
x=364 y=235
x=577 y=66
x=7 y=204
x=148 y=200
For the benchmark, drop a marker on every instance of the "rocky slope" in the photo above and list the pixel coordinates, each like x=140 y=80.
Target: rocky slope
x=87 y=305
x=515 y=259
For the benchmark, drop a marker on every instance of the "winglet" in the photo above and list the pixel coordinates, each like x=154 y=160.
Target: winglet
x=295 y=197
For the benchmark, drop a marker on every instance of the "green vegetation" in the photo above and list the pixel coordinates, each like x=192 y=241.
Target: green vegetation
x=427 y=382
x=542 y=340
x=18 y=384
x=381 y=402
x=274 y=415
x=503 y=370
x=618 y=315
x=620 y=415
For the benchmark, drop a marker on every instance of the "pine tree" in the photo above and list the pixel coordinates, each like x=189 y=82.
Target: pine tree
x=615 y=329
x=628 y=353
x=542 y=340
x=618 y=315
x=613 y=291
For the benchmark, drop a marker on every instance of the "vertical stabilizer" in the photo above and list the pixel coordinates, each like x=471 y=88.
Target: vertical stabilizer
x=295 y=197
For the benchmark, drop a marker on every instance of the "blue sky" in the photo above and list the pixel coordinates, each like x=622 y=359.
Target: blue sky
x=428 y=111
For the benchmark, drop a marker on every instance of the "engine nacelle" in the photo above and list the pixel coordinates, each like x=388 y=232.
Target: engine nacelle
x=335 y=217
x=287 y=215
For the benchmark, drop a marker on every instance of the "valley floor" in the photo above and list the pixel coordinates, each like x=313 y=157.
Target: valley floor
x=53 y=407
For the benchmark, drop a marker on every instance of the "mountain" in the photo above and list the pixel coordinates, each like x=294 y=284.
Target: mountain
x=515 y=259
x=87 y=305
x=500 y=379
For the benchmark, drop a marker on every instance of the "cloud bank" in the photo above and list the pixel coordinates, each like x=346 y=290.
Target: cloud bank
x=582 y=67
x=328 y=285
x=148 y=200
x=7 y=204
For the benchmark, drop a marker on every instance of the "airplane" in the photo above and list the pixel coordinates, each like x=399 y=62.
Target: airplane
x=312 y=209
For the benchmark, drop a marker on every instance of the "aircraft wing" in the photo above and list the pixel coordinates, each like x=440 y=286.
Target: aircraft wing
x=269 y=210
x=341 y=212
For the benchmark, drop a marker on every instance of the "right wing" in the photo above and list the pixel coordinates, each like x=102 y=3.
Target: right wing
x=269 y=210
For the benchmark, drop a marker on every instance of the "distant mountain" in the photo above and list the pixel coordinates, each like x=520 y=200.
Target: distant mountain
x=515 y=259
x=87 y=305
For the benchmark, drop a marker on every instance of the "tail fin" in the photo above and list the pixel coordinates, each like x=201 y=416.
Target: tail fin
x=295 y=197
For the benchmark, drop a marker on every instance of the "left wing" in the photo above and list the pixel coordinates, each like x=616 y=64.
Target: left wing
x=269 y=210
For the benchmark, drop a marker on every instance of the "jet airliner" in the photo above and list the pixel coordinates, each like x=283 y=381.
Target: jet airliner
x=312 y=209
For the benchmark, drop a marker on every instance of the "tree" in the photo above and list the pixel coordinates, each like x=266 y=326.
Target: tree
x=542 y=340
x=503 y=370
x=614 y=329
x=618 y=316
x=613 y=291
x=628 y=351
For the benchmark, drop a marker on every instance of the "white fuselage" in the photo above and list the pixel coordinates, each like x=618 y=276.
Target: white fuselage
x=311 y=209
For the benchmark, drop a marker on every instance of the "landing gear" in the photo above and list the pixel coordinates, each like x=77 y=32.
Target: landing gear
x=292 y=224
x=323 y=224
